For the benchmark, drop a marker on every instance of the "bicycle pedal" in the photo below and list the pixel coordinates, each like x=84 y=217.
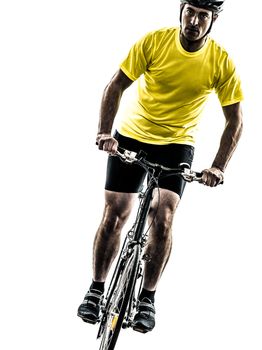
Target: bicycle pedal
x=137 y=329
x=90 y=321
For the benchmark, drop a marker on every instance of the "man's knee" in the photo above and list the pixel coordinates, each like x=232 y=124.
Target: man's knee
x=162 y=212
x=162 y=224
x=117 y=210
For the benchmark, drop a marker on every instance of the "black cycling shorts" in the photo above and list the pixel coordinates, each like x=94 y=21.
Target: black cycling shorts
x=129 y=178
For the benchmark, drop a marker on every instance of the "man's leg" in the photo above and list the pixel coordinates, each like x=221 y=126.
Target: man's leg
x=160 y=237
x=158 y=250
x=106 y=245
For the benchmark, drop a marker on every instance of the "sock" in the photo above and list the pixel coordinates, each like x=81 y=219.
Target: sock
x=98 y=286
x=147 y=294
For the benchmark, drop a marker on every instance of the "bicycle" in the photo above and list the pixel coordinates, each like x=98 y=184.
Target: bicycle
x=120 y=302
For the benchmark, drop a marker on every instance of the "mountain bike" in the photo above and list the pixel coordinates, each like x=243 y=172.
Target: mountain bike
x=119 y=305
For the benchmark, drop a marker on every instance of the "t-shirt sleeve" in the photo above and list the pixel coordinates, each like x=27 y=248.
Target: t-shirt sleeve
x=228 y=85
x=139 y=57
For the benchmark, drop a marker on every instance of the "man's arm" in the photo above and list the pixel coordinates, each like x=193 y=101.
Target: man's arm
x=109 y=107
x=229 y=140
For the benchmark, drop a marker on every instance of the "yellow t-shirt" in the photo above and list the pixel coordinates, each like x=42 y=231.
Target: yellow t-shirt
x=173 y=87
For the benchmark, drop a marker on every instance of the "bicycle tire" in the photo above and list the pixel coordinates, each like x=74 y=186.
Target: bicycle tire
x=119 y=301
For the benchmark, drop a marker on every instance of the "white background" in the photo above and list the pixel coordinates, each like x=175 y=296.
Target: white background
x=56 y=58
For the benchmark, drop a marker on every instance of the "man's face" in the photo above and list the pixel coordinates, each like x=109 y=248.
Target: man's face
x=195 y=22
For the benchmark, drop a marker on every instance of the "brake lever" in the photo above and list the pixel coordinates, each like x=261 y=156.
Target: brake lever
x=127 y=156
x=190 y=175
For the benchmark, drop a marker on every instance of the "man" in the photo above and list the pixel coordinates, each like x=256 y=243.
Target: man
x=177 y=69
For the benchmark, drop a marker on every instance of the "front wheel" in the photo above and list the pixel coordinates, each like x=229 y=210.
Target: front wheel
x=117 y=305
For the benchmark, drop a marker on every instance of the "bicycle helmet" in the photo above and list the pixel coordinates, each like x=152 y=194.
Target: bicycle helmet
x=212 y=5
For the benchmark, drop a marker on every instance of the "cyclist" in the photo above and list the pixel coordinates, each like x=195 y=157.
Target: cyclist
x=177 y=69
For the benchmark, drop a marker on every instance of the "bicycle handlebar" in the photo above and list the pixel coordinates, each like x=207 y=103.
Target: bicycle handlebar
x=139 y=158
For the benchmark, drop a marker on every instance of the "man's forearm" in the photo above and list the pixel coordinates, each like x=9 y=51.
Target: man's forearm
x=228 y=143
x=109 y=107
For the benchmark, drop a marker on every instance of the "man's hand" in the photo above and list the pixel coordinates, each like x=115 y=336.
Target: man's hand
x=107 y=143
x=212 y=177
